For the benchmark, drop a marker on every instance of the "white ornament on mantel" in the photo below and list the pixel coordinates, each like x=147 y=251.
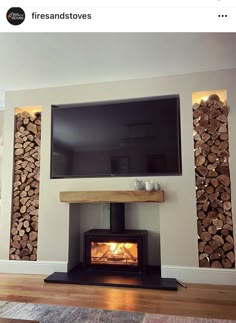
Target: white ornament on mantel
x=149 y=185
x=156 y=186
x=138 y=184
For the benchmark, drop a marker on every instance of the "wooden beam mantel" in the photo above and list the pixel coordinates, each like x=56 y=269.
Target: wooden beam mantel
x=111 y=196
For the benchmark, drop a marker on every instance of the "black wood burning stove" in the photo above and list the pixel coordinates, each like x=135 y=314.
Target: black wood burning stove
x=116 y=249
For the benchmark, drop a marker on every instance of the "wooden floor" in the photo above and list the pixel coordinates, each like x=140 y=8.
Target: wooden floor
x=196 y=300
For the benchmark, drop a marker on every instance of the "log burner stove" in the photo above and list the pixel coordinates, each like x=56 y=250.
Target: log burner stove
x=116 y=249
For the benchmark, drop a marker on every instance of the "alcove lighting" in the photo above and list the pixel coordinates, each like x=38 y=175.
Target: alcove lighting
x=31 y=109
x=197 y=97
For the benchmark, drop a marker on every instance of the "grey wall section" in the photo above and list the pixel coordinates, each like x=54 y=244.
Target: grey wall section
x=177 y=215
x=74 y=236
x=1 y=147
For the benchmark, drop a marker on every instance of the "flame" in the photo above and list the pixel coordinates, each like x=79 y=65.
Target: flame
x=112 y=245
x=115 y=247
x=125 y=253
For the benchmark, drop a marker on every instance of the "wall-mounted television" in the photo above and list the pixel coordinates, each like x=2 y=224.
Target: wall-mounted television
x=137 y=137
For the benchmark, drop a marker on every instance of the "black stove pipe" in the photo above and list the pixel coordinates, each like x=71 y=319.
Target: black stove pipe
x=117 y=217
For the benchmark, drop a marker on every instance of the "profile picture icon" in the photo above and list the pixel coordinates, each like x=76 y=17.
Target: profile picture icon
x=15 y=16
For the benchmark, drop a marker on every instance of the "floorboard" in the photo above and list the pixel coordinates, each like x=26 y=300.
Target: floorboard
x=211 y=301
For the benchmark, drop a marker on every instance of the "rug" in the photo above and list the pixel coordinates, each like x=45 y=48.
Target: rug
x=61 y=314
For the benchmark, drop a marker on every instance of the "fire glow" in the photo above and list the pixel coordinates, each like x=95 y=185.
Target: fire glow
x=114 y=253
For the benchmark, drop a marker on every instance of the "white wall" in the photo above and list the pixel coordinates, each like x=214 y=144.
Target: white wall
x=177 y=215
x=2 y=99
x=1 y=149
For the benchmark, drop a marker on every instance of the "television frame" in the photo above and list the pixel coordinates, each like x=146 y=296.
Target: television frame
x=92 y=103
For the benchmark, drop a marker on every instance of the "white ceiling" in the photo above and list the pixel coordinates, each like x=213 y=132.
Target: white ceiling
x=32 y=60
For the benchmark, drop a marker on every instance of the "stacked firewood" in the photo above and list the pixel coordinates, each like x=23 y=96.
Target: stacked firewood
x=24 y=225
x=213 y=194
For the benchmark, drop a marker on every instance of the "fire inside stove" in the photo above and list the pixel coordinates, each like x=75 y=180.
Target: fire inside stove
x=114 y=253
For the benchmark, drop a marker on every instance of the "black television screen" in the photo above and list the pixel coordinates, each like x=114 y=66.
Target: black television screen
x=138 y=137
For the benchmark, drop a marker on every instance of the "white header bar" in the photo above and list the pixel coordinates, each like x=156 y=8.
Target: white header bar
x=142 y=19
x=120 y=3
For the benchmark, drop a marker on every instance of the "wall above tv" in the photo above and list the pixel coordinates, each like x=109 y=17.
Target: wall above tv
x=135 y=137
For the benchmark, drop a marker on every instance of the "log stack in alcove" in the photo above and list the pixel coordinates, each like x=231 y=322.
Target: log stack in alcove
x=24 y=224
x=213 y=193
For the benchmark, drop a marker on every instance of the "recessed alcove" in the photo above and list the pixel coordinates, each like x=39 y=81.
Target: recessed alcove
x=92 y=215
x=26 y=184
x=212 y=178
x=86 y=213
x=84 y=217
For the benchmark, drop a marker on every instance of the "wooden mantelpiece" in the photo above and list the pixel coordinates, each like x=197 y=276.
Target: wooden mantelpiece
x=111 y=196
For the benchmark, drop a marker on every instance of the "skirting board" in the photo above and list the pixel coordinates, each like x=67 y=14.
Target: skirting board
x=200 y=275
x=32 y=267
x=181 y=273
